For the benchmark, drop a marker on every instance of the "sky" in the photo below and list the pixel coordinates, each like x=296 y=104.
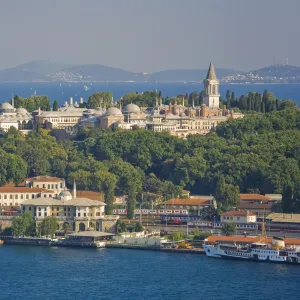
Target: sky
x=151 y=35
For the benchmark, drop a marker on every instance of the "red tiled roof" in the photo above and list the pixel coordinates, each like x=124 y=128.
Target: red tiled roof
x=237 y=213
x=246 y=197
x=44 y=179
x=24 y=190
x=255 y=206
x=190 y=201
x=90 y=195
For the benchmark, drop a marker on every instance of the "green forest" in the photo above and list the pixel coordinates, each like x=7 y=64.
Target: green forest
x=260 y=153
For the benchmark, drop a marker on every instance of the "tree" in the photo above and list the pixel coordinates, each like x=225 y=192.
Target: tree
x=49 y=226
x=227 y=195
x=23 y=225
x=138 y=227
x=55 y=106
x=228 y=229
x=228 y=99
x=196 y=232
x=121 y=226
x=100 y=99
x=176 y=236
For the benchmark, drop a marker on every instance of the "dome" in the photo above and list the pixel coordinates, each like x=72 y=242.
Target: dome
x=131 y=108
x=6 y=105
x=21 y=111
x=113 y=111
x=65 y=195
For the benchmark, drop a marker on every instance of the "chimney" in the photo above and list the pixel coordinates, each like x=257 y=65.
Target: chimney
x=81 y=100
x=74 y=190
x=71 y=100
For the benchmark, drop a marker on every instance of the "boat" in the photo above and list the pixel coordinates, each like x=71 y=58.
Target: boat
x=260 y=251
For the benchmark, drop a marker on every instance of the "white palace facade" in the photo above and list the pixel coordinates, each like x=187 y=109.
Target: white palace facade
x=176 y=119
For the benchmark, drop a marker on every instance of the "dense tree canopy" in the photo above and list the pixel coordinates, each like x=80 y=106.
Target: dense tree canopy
x=258 y=153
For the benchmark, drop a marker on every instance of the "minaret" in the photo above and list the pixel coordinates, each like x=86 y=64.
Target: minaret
x=211 y=96
x=74 y=189
x=13 y=102
x=183 y=101
x=156 y=102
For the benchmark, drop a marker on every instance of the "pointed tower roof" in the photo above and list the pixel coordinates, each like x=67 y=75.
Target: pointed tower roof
x=211 y=74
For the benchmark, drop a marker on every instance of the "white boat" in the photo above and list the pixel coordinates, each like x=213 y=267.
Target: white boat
x=259 y=251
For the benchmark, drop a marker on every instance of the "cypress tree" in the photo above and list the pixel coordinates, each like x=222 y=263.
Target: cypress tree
x=233 y=100
x=263 y=108
x=228 y=98
x=55 y=106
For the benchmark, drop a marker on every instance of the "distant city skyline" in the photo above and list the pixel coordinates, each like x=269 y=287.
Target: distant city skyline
x=149 y=36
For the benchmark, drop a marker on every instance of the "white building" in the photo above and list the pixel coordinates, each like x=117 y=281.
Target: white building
x=18 y=118
x=238 y=217
x=78 y=214
x=15 y=196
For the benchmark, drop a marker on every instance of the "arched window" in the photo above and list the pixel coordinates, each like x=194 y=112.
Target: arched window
x=213 y=89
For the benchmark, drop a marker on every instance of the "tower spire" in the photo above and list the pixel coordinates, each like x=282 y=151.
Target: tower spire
x=211 y=74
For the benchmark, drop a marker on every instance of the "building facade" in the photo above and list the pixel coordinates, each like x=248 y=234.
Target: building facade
x=242 y=217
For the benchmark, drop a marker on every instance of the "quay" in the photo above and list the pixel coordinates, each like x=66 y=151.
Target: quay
x=155 y=248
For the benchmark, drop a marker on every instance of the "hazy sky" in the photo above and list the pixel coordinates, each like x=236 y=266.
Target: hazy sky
x=151 y=35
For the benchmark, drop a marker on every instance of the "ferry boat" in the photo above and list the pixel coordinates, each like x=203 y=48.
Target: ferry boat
x=258 y=251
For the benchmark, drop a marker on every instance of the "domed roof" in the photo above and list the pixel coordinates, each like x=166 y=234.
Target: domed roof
x=131 y=108
x=65 y=194
x=113 y=111
x=6 y=105
x=21 y=110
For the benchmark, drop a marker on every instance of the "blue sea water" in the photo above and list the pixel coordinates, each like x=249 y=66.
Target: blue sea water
x=63 y=91
x=63 y=273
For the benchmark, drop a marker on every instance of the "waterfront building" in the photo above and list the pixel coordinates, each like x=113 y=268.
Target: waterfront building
x=46 y=182
x=258 y=204
x=238 y=217
x=15 y=196
x=77 y=213
x=197 y=202
x=18 y=118
x=282 y=220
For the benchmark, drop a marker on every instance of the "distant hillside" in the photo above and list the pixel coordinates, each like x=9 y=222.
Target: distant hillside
x=270 y=74
x=31 y=71
x=188 y=75
x=94 y=72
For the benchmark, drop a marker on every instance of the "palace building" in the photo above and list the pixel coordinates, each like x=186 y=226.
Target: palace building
x=78 y=213
x=18 y=118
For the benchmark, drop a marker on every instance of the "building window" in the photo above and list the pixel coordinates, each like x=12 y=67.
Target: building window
x=32 y=196
x=65 y=214
x=16 y=197
x=57 y=208
x=29 y=207
x=45 y=214
x=21 y=196
x=40 y=214
x=65 y=208
x=57 y=214
x=84 y=214
x=78 y=214
x=5 y=196
x=10 y=196
x=27 y=196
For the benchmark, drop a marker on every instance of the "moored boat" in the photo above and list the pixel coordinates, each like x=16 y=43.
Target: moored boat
x=259 y=251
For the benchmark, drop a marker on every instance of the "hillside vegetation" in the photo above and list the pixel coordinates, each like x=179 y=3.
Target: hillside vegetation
x=260 y=153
